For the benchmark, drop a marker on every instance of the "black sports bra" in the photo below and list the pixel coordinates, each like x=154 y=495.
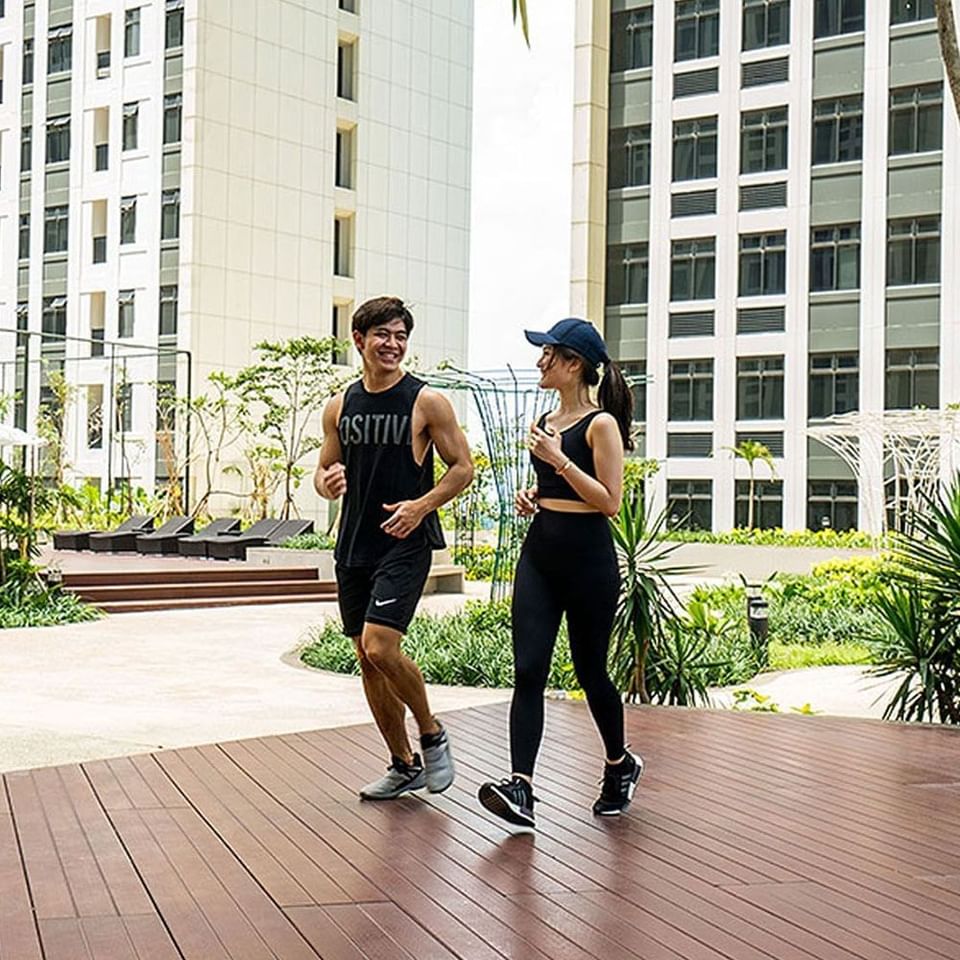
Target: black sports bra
x=573 y=442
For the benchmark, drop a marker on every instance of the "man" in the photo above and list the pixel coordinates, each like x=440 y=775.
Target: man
x=377 y=453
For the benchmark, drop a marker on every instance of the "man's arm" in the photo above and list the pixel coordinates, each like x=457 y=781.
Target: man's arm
x=330 y=478
x=451 y=444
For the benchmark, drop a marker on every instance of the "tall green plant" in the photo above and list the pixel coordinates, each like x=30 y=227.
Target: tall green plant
x=753 y=452
x=646 y=598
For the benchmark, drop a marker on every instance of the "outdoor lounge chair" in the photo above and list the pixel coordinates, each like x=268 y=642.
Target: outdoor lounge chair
x=196 y=544
x=119 y=540
x=235 y=548
x=165 y=539
x=80 y=539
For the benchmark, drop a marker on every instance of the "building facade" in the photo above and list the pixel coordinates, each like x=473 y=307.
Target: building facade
x=766 y=220
x=181 y=179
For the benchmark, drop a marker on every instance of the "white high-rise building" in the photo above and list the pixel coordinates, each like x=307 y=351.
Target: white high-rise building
x=766 y=222
x=181 y=179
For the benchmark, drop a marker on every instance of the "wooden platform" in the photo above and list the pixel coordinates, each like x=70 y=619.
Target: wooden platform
x=752 y=837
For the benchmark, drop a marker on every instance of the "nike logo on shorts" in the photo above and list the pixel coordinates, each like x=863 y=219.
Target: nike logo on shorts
x=383 y=603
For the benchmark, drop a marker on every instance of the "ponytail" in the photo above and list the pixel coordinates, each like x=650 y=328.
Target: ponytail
x=616 y=398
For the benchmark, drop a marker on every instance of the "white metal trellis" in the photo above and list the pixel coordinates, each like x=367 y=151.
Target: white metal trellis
x=899 y=457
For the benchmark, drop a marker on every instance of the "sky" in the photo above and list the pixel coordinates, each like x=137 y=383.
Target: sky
x=521 y=178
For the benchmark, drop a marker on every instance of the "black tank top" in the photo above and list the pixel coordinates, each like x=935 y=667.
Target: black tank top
x=573 y=443
x=376 y=438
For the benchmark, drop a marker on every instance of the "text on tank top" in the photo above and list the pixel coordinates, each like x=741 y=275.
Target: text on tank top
x=376 y=442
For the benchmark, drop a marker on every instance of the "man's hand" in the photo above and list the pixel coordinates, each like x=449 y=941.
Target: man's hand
x=526 y=502
x=335 y=480
x=405 y=518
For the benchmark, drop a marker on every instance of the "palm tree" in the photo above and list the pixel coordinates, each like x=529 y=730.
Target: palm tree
x=947 y=28
x=753 y=452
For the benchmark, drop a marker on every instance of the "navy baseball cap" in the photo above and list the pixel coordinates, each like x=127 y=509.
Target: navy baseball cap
x=577 y=335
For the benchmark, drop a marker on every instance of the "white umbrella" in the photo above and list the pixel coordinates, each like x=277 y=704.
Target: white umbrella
x=14 y=437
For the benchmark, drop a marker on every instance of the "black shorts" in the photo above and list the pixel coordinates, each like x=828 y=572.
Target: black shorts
x=387 y=592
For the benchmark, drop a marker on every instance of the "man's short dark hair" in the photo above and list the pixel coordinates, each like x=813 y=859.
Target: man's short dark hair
x=381 y=310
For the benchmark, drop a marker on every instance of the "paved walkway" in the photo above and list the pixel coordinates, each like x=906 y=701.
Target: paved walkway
x=138 y=682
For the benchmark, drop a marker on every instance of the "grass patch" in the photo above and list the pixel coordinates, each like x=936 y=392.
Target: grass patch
x=36 y=607
x=795 y=656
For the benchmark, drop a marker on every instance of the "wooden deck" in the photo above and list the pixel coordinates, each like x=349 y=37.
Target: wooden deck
x=751 y=837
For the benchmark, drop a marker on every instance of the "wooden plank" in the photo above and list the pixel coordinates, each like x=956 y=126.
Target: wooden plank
x=19 y=937
x=373 y=942
x=107 y=938
x=62 y=939
x=49 y=890
x=150 y=938
x=416 y=940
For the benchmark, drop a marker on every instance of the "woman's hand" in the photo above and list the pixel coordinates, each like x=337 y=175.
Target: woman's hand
x=546 y=446
x=526 y=502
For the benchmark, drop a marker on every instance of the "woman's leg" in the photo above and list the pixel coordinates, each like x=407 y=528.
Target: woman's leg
x=536 y=619
x=591 y=606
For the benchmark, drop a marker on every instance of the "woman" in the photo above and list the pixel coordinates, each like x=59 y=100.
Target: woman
x=568 y=563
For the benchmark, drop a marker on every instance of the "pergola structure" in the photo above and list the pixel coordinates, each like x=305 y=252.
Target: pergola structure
x=899 y=457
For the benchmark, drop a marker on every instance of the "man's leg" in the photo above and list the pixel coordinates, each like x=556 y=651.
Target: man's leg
x=399 y=682
x=387 y=708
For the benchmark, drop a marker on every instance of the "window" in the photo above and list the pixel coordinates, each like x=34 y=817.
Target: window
x=696 y=29
x=913 y=379
x=174 y=27
x=631 y=39
x=342 y=260
x=831 y=17
x=172 y=113
x=58 y=139
x=692 y=268
x=170 y=215
x=169 y=306
x=28 y=61
x=766 y=23
x=832 y=504
x=835 y=257
x=125 y=313
x=55 y=222
x=906 y=11
x=691 y=390
x=343 y=173
x=916 y=119
x=128 y=220
x=838 y=130
x=763 y=140
x=24 y=244
x=26 y=149
x=760 y=388
x=95 y=416
x=101 y=156
x=349 y=5
x=638 y=369
x=131 y=32
x=834 y=384
x=59 y=50
x=54 y=321
x=345 y=69
x=628 y=270
x=690 y=504
x=767 y=504
x=913 y=251
x=124 y=412
x=629 y=163
x=763 y=264
x=695 y=149
x=131 y=125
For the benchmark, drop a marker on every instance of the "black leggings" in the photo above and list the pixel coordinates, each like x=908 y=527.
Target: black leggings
x=567 y=565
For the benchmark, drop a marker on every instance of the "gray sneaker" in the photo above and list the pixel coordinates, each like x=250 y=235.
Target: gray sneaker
x=438 y=760
x=400 y=778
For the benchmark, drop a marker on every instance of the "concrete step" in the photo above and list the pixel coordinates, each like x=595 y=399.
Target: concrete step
x=189 y=590
x=195 y=573
x=144 y=606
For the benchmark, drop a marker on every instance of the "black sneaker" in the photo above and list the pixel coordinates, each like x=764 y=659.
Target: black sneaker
x=510 y=799
x=617 y=786
x=400 y=778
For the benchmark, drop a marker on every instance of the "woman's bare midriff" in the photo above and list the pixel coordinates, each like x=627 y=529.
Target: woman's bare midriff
x=566 y=506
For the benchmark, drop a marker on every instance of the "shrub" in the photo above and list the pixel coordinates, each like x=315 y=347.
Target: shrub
x=836 y=539
x=34 y=605
x=471 y=647
x=310 y=541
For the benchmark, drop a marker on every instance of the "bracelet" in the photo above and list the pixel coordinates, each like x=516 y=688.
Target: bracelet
x=566 y=466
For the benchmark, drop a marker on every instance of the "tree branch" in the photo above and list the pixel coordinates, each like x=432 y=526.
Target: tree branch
x=947 y=28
